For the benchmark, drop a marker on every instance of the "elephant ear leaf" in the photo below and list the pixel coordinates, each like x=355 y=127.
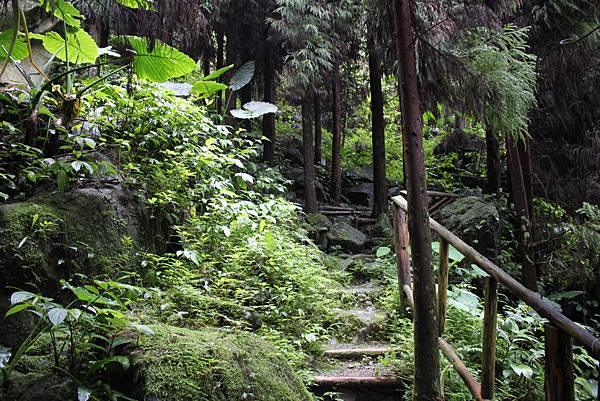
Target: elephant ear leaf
x=242 y=76
x=19 y=48
x=161 y=63
x=254 y=109
x=81 y=47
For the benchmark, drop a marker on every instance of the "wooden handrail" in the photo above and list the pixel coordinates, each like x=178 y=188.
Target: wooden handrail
x=531 y=298
x=558 y=363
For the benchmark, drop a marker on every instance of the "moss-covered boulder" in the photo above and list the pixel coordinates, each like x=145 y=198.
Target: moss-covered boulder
x=343 y=234
x=475 y=220
x=91 y=231
x=179 y=364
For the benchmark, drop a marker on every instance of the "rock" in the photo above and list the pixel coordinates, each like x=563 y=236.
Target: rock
x=359 y=194
x=53 y=386
x=177 y=364
x=363 y=174
x=343 y=234
x=383 y=227
x=291 y=147
x=473 y=219
x=318 y=220
x=61 y=235
x=296 y=175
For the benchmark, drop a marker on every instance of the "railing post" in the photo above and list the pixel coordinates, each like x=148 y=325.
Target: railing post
x=442 y=285
x=488 y=359
x=401 y=241
x=559 y=379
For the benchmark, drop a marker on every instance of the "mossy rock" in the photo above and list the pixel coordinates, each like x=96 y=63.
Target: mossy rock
x=48 y=238
x=345 y=235
x=473 y=219
x=318 y=220
x=179 y=364
x=89 y=232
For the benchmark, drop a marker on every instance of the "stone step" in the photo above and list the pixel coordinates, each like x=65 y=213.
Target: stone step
x=357 y=375
x=356 y=381
x=356 y=352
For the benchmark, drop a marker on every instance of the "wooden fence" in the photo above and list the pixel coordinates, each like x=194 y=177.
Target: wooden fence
x=559 y=331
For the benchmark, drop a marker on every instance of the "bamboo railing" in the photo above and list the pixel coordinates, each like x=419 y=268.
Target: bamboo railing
x=559 y=331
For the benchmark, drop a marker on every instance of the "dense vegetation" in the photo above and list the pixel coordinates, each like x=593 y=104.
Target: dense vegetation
x=164 y=235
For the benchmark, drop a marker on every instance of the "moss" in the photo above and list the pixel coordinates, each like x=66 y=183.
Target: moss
x=48 y=238
x=214 y=365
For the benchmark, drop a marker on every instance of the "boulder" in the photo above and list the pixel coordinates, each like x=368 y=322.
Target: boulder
x=359 y=194
x=90 y=231
x=173 y=364
x=318 y=221
x=343 y=234
x=383 y=227
x=177 y=364
x=473 y=219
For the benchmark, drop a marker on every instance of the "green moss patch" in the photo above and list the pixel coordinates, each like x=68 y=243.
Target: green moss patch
x=48 y=238
x=214 y=365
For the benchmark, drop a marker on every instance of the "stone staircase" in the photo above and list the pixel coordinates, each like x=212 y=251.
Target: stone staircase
x=355 y=369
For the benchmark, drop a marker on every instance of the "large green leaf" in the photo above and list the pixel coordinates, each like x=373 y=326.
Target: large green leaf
x=19 y=51
x=65 y=12
x=242 y=77
x=216 y=74
x=162 y=63
x=207 y=88
x=143 y=4
x=254 y=109
x=81 y=46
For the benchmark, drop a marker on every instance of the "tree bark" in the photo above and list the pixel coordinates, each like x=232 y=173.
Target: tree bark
x=426 y=385
x=220 y=49
x=336 y=149
x=206 y=63
x=378 y=131
x=310 y=193
x=230 y=56
x=519 y=196
x=493 y=162
x=268 y=122
x=318 y=130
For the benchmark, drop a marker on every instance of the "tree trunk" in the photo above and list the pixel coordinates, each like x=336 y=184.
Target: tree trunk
x=525 y=158
x=230 y=56
x=336 y=149
x=268 y=122
x=426 y=385
x=310 y=193
x=378 y=131
x=493 y=162
x=318 y=130
x=519 y=196
x=220 y=49
x=206 y=63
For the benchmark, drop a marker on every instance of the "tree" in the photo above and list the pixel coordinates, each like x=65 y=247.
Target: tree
x=302 y=26
x=318 y=128
x=377 y=127
x=425 y=311
x=336 y=146
x=343 y=34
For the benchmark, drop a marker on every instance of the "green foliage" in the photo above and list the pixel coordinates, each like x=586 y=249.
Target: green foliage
x=19 y=50
x=506 y=73
x=86 y=335
x=160 y=63
x=80 y=46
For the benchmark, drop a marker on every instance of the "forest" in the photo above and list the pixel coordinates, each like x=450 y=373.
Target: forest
x=299 y=200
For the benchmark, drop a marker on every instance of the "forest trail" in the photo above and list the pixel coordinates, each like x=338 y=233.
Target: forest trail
x=354 y=362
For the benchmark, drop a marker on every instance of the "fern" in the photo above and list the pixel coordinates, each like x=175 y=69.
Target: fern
x=505 y=74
